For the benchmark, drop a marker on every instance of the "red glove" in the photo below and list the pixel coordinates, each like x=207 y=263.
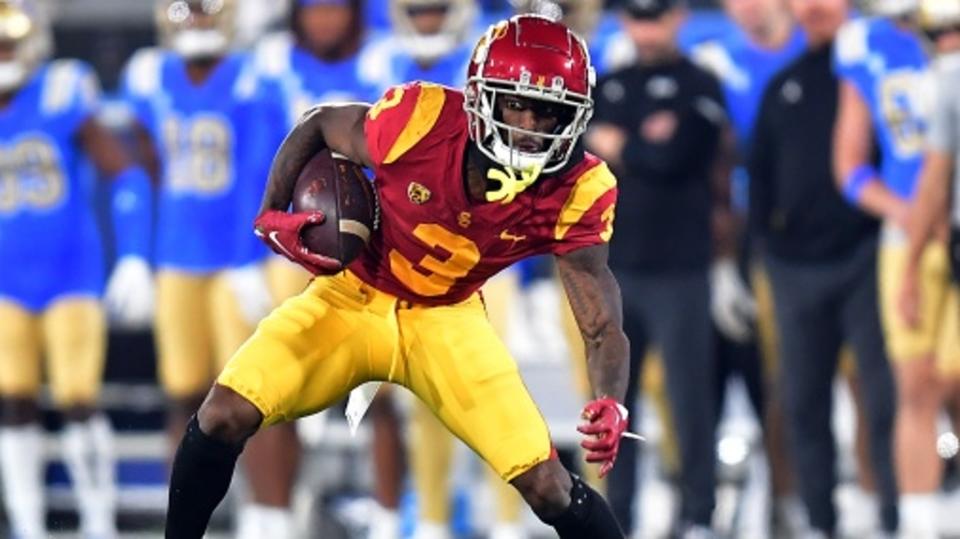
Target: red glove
x=606 y=422
x=281 y=231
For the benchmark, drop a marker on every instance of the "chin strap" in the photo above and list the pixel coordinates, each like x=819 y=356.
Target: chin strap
x=510 y=186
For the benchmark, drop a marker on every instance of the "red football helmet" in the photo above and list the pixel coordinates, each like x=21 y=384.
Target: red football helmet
x=536 y=58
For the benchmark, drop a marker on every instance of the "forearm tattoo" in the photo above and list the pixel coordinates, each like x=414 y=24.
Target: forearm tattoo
x=594 y=297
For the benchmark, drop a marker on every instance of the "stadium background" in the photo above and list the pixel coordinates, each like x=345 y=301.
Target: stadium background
x=336 y=477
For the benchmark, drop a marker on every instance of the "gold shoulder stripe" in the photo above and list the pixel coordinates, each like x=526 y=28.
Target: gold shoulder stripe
x=425 y=114
x=590 y=186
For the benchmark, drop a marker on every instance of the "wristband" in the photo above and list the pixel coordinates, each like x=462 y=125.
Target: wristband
x=857 y=181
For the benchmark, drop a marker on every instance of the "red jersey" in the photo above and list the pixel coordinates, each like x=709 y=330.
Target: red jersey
x=435 y=245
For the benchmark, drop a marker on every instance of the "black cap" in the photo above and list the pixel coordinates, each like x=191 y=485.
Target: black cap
x=648 y=9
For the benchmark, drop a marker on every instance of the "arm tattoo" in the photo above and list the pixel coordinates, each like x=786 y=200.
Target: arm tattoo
x=302 y=143
x=594 y=297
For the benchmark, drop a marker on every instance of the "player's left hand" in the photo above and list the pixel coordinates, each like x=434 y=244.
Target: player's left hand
x=281 y=232
x=606 y=422
x=731 y=303
x=249 y=286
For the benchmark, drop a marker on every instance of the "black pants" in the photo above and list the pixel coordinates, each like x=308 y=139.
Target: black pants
x=819 y=307
x=672 y=312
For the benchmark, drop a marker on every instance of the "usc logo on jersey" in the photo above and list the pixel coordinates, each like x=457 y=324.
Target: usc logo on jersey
x=417 y=193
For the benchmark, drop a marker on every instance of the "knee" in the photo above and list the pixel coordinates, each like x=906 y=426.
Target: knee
x=227 y=416
x=546 y=489
x=918 y=387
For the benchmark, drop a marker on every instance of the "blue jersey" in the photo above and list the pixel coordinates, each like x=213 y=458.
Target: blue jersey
x=744 y=70
x=299 y=80
x=49 y=242
x=215 y=141
x=888 y=66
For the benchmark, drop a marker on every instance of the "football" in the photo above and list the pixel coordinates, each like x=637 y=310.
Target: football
x=338 y=187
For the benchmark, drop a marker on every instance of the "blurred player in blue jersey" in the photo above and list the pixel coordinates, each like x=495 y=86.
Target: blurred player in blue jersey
x=316 y=60
x=51 y=277
x=883 y=70
x=201 y=116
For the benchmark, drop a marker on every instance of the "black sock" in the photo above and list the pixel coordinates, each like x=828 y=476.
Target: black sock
x=588 y=516
x=202 y=469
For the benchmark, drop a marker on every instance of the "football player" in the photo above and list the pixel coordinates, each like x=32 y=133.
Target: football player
x=470 y=182
x=934 y=207
x=52 y=272
x=883 y=69
x=200 y=114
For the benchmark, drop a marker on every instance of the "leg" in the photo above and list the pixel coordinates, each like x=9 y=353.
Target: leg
x=456 y=364
x=304 y=356
x=431 y=454
x=809 y=343
x=566 y=503
x=919 y=387
x=877 y=403
x=184 y=346
x=271 y=457
x=389 y=458
x=677 y=310
x=75 y=335
x=21 y=437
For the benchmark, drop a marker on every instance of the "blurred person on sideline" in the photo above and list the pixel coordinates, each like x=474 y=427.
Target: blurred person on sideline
x=820 y=255
x=766 y=39
x=202 y=122
x=51 y=277
x=934 y=210
x=882 y=65
x=662 y=124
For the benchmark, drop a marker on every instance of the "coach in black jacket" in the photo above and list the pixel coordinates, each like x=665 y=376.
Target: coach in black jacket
x=821 y=259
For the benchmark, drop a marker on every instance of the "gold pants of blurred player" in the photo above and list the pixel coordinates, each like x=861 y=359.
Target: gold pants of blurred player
x=71 y=334
x=198 y=328
x=431 y=447
x=340 y=332
x=938 y=333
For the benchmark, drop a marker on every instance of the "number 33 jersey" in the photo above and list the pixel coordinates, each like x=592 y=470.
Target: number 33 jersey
x=49 y=241
x=214 y=140
x=436 y=246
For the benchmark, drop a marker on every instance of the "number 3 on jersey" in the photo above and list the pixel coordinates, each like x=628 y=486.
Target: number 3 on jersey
x=464 y=255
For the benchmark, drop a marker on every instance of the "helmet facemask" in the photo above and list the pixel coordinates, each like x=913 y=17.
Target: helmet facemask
x=25 y=36
x=498 y=140
x=197 y=29
x=458 y=16
x=894 y=9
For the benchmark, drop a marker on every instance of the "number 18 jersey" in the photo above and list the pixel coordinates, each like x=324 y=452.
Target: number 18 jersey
x=215 y=140
x=435 y=246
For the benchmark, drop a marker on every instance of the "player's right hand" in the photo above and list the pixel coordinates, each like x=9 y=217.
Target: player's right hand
x=129 y=296
x=281 y=231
